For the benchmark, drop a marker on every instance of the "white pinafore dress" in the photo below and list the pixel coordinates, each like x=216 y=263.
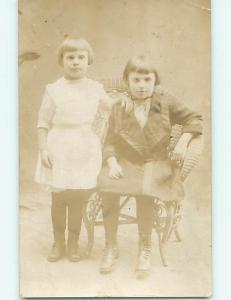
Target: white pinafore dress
x=68 y=110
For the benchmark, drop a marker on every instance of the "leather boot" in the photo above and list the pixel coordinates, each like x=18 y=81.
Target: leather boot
x=58 y=249
x=143 y=264
x=73 y=253
x=111 y=253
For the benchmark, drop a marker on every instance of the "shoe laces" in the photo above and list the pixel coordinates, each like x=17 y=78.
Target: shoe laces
x=145 y=251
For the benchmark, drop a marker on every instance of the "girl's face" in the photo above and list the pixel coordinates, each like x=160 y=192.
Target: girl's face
x=75 y=64
x=141 y=86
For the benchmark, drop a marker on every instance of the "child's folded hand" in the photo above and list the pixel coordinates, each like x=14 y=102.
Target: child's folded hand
x=115 y=170
x=46 y=158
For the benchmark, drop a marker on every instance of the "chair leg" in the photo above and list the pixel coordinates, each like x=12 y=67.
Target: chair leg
x=161 y=249
x=169 y=224
x=166 y=235
x=178 y=217
x=177 y=234
x=164 y=215
x=90 y=230
x=159 y=211
x=91 y=210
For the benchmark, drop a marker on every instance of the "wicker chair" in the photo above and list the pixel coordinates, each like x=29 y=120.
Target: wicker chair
x=167 y=214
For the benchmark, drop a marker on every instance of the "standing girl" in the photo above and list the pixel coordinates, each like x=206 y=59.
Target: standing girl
x=69 y=150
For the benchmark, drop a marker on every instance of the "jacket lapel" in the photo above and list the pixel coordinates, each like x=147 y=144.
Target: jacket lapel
x=155 y=130
x=152 y=136
x=132 y=133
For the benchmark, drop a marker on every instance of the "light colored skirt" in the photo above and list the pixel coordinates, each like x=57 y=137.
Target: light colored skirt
x=76 y=159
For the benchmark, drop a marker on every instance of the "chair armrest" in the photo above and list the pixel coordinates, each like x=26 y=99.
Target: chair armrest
x=193 y=153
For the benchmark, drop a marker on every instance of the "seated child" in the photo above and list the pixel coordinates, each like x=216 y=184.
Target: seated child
x=137 y=158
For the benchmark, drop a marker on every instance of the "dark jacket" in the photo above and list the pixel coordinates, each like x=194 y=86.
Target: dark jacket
x=137 y=147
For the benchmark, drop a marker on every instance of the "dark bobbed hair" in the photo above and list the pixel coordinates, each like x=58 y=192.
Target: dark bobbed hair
x=141 y=64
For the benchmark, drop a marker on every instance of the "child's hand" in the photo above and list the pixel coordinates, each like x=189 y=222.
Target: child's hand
x=127 y=103
x=115 y=170
x=123 y=99
x=117 y=97
x=179 y=151
x=46 y=158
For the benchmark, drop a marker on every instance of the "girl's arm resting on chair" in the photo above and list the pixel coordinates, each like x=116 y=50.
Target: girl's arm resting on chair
x=181 y=114
x=180 y=149
x=192 y=123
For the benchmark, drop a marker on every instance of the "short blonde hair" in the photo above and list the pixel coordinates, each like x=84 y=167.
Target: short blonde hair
x=141 y=64
x=74 y=45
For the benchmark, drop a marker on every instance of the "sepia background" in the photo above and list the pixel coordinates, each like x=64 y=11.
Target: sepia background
x=177 y=34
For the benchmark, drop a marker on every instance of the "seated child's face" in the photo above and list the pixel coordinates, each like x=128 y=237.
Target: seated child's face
x=141 y=86
x=75 y=64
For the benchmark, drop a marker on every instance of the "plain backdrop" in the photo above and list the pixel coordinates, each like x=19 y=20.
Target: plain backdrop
x=176 y=34
x=221 y=148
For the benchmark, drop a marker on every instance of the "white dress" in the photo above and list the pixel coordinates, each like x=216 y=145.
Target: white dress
x=68 y=111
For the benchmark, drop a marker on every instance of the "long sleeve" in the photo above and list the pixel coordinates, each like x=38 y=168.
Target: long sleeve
x=46 y=111
x=191 y=121
x=109 y=146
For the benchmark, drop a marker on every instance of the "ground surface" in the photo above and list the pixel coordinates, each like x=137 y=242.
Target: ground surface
x=188 y=273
